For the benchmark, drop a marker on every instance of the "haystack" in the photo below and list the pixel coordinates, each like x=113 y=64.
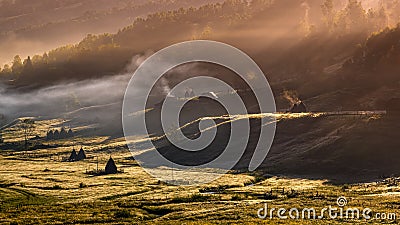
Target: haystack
x=63 y=133
x=189 y=94
x=56 y=135
x=81 y=155
x=70 y=133
x=111 y=168
x=50 y=135
x=73 y=157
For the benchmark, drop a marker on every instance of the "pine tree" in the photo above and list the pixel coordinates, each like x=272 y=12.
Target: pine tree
x=17 y=65
x=329 y=14
x=28 y=67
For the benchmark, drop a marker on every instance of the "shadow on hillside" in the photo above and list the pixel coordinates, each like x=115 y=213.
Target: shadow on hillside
x=339 y=149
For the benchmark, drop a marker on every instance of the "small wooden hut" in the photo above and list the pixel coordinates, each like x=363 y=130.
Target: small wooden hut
x=298 y=107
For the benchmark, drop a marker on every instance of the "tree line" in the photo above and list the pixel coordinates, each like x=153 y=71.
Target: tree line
x=107 y=54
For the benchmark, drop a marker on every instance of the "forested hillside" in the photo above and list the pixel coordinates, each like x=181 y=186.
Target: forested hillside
x=314 y=47
x=28 y=27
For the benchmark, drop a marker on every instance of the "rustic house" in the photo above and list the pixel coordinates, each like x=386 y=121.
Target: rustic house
x=298 y=107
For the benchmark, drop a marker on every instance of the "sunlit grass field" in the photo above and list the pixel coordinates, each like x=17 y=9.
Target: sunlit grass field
x=39 y=187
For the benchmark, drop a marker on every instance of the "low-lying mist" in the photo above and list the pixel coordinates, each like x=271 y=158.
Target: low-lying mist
x=89 y=101
x=68 y=100
x=57 y=100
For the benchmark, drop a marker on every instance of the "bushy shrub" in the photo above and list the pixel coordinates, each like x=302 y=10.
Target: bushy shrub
x=122 y=214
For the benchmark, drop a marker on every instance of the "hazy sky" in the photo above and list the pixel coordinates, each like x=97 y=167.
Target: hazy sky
x=33 y=27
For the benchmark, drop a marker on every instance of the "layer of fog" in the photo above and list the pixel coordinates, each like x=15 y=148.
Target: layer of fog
x=97 y=100
x=63 y=99
x=59 y=99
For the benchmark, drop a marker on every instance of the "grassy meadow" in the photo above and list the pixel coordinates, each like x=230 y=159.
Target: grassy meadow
x=39 y=187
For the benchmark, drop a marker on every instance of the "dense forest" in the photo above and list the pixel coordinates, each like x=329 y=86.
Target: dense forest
x=311 y=46
x=36 y=26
